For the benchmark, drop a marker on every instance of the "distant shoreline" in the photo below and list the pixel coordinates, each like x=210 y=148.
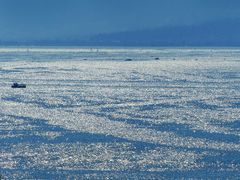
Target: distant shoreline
x=120 y=47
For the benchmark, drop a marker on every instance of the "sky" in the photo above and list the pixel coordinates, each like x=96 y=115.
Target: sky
x=53 y=19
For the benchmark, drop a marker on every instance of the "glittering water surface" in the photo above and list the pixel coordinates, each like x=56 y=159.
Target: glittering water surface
x=88 y=113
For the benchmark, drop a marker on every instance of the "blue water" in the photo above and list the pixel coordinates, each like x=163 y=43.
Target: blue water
x=87 y=113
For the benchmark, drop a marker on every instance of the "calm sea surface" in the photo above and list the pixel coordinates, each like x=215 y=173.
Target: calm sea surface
x=120 y=113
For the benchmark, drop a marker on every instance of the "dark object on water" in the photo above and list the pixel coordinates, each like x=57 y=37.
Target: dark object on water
x=128 y=59
x=157 y=58
x=16 y=85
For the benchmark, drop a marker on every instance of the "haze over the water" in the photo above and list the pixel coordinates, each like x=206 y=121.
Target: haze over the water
x=27 y=20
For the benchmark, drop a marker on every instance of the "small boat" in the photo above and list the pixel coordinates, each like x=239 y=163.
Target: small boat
x=16 y=85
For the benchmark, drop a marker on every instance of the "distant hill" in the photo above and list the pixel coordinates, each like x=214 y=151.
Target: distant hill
x=218 y=33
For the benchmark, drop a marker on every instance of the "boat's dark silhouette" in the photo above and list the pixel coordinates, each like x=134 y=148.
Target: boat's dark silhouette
x=16 y=85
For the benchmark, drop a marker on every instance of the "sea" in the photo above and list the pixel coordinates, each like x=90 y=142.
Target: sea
x=120 y=113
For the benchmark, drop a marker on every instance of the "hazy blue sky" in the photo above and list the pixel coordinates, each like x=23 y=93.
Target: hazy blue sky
x=43 y=19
